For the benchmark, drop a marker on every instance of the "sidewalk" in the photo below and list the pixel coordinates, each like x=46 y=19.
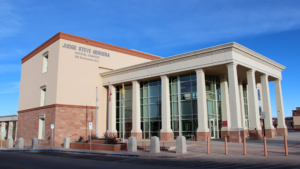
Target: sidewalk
x=198 y=150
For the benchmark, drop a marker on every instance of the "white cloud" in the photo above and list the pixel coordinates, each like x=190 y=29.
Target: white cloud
x=12 y=87
x=9 y=20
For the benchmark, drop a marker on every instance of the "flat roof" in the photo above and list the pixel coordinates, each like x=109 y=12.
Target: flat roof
x=78 y=39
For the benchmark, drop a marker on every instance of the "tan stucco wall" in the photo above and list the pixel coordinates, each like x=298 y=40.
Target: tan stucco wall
x=78 y=78
x=70 y=80
x=296 y=120
x=32 y=78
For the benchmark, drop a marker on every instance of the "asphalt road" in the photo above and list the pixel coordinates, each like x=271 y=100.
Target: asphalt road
x=45 y=160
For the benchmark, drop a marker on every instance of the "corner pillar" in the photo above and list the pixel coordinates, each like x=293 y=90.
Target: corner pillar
x=281 y=128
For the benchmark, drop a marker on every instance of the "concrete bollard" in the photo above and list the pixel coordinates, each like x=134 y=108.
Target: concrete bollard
x=10 y=143
x=67 y=142
x=35 y=143
x=132 y=144
x=154 y=145
x=20 y=143
x=181 y=145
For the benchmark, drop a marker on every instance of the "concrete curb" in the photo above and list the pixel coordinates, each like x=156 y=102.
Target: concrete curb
x=94 y=153
x=66 y=151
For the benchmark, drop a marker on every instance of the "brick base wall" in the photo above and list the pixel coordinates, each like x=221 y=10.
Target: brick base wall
x=70 y=121
x=28 y=125
x=73 y=122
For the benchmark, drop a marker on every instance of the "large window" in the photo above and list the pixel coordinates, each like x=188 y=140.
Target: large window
x=213 y=96
x=43 y=95
x=184 y=111
x=150 y=95
x=45 y=62
x=128 y=111
x=41 y=127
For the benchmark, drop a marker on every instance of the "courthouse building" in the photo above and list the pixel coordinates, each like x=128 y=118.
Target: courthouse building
x=207 y=93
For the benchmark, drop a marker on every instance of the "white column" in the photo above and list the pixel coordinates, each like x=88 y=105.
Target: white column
x=201 y=101
x=243 y=118
x=253 y=101
x=165 y=105
x=136 y=108
x=266 y=107
x=10 y=129
x=112 y=111
x=225 y=103
x=234 y=98
x=279 y=104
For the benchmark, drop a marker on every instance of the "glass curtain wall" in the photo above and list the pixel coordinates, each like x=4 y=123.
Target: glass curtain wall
x=128 y=110
x=188 y=105
x=183 y=98
x=150 y=92
x=213 y=96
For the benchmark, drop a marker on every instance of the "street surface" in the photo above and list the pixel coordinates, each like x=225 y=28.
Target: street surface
x=47 y=160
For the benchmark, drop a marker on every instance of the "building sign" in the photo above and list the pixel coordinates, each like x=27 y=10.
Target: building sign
x=224 y=123
x=90 y=125
x=86 y=53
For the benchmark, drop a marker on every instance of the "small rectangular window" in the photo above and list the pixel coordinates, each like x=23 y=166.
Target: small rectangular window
x=43 y=95
x=45 y=62
x=41 y=127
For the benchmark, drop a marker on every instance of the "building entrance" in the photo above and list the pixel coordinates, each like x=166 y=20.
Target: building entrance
x=212 y=128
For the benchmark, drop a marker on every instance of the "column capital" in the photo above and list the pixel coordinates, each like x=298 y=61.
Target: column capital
x=200 y=70
x=264 y=75
x=164 y=76
x=135 y=81
x=251 y=71
x=233 y=64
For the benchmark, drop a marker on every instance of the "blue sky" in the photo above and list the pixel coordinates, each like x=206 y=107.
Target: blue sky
x=164 y=28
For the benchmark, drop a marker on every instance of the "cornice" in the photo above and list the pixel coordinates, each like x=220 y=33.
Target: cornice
x=247 y=51
x=90 y=42
x=232 y=46
x=56 y=105
x=172 y=59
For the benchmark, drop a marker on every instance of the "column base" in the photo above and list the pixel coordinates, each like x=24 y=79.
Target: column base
x=282 y=132
x=255 y=134
x=236 y=136
x=270 y=133
x=166 y=136
x=225 y=134
x=138 y=135
x=202 y=136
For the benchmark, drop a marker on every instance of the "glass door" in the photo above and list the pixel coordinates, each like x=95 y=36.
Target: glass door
x=212 y=128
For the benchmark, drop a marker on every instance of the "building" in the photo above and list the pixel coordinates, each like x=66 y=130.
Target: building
x=9 y=123
x=204 y=93
x=296 y=119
